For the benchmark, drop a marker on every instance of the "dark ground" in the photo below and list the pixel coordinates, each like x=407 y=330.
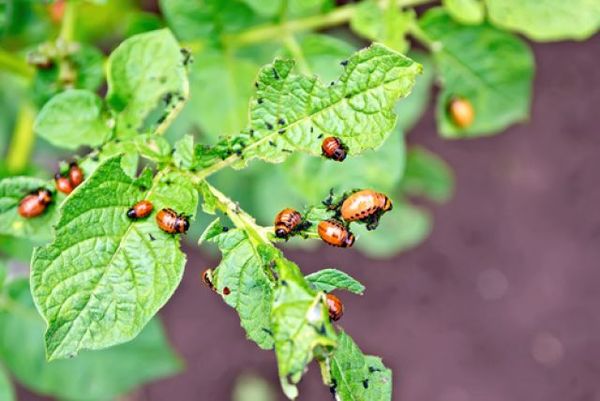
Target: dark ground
x=500 y=304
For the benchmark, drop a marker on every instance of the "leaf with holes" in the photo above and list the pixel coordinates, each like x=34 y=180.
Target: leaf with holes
x=104 y=276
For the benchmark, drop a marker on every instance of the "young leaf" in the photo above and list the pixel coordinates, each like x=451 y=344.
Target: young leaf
x=74 y=118
x=411 y=109
x=331 y=279
x=355 y=376
x=427 y=175
x=491 y=69
x=301 y=325
x=91 y=376
x=465 y=11
x=547 y=20
x=183 y=157
x=144 y=71
x=293 y=112
x=242 y=272
x=12 y=191
x=104 y=276
x=7 y=392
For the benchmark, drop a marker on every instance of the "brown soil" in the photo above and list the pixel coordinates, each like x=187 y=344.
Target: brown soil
x=500 y=304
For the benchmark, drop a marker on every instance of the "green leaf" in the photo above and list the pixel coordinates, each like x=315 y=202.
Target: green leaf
x=74 y=118
x=183 y=157
x=400 y=229
x=355 y=376
x=411 y=109
x=491 y=69
x=331 y=279
x=301 y=325
x=12 y=191
x=7 y=392
x=251 y=289
x=427 y=175
x=293 y=112
x=465 y=11
x=386 y=25
x=294 y=8
x=3 y=274
x=249 y=387
x=547 y=20
x=104 y=276
x=143 y=71
x=92 y=376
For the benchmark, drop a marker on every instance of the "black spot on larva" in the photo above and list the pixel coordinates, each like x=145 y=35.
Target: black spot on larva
x=281 y=121
x=344 y=62
x=151 y=237
x=281 y=131
x=320 y=136
x=260 y=100
x=269 y=125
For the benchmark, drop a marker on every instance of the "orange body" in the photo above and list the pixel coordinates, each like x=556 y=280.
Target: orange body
x=169 y=221
x=140 y=210
x=333 y=148
x=35 y=203
x=363 y=204
x=335 y=306
x=333 y=233
x=461 y=112
x=75 y=175
x=63 y=184
x=286 y=221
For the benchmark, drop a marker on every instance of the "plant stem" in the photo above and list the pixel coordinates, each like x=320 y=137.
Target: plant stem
x=294 y=48
x=16 y=65
x=240 y=218
x=339 y=16
x=22 y=140
x=67 y=29
x=174 y=112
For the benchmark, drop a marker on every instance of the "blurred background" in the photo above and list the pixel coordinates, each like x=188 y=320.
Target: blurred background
x=488 y=290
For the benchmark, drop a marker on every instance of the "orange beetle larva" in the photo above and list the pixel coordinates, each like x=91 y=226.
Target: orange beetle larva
x=35 y=203
x=334 y=233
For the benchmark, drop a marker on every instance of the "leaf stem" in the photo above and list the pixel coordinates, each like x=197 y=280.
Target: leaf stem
x=67 y=29
x=174 y=112
x=16 y=65
x=338 y=16
x=294 y=48
x=22 y=140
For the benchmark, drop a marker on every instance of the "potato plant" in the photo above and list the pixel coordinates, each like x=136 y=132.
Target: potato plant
x=220 y=107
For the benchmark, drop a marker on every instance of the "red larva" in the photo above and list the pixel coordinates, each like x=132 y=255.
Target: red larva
x=140 y=210
x=335 y=307
x=334 y=233
x=35 y=203
x=169 y=221
x=364 y=204
x=333 y=148
x=63 y=184
x=286 y=221
x=75 y=175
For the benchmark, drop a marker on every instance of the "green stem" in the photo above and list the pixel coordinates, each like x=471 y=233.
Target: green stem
x=67 y=29
x=174 y=112
x=339 y=16
x=22 y=140
x=16 y=65
x=294 y=48
x=240 y=218
x=421 y=36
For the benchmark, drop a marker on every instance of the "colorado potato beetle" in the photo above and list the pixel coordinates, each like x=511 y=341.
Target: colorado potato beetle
x=366 y=205
x=461 y=112
x=334 y=149
x=335 y=306
x=140 y=210
x=75 y=175
x=63 y=184
x=35 y=203
x=286 y=221
x=334 y=233
x=169 y=221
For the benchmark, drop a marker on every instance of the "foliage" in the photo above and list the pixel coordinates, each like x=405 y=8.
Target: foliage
x=186 y=99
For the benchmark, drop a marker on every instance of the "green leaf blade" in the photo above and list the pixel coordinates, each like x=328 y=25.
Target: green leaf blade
x=7 y=393
x=356 y=376
x=143 y=71
x=104 y=276
x=74 y=118
x=492 y=69
x=331 y=279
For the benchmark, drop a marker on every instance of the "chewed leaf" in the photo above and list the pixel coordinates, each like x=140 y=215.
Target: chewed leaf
x=12 y=190
x=146 y=74
x=294 y=112
x=249 y=287
x=104 y=276
x=331 y=279
x=301 y=325
x=355 y=376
